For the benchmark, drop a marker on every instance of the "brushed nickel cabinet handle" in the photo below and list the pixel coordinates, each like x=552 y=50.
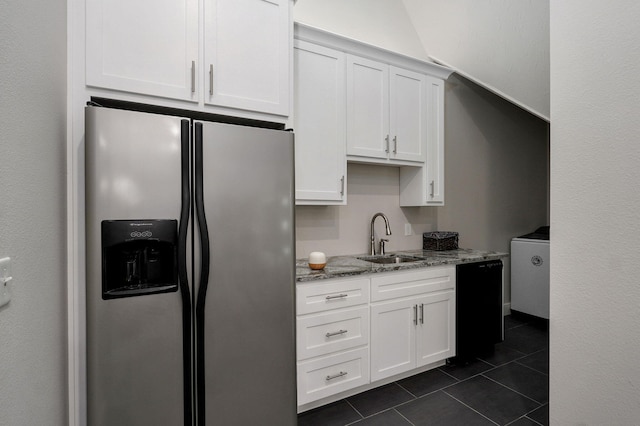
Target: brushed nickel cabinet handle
x=432 y=184
x=211 y=79
x=395 y=144
x=193 y=76
x=336 y=333
x=335 y=376
x=386 y=139
x=422 y=313
x=342 y=186
x=338 y=296
x=415 y=314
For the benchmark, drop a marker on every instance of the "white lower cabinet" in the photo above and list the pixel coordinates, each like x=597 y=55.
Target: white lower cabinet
x=332 y=337
x=412 y=319
x=394 y=330
x=326 y=376
x=332 y=331
x=354 y=332
x=411 y=332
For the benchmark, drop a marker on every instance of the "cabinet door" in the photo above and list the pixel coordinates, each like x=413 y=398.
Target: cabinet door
x=319 y=123
x=333 y=331
x=393 y=338
x=435 y=142
x=424 y=186
x=247 y=54
x=326 y=376
x=367 y=108
x=436 y=326
x=143 y=46
x=408 y=115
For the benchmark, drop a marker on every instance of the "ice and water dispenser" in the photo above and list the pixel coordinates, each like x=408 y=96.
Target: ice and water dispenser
x=139 y=257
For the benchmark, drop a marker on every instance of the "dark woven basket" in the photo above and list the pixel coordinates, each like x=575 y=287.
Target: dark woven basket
x=440 y=240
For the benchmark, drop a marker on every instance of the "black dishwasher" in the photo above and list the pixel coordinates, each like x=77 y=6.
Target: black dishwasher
x=479 y=319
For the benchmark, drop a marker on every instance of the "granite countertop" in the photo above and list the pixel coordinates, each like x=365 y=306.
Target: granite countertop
x=345 y=266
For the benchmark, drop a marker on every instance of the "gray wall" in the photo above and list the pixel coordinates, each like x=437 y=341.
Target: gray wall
x=33 y=345
x=496 y=170
x=338 y=230
x=595 y=213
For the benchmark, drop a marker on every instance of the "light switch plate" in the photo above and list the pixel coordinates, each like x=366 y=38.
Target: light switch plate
x=5 y=281
x=408 y=229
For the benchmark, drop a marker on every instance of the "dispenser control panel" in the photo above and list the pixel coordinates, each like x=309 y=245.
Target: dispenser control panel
x=139 y=257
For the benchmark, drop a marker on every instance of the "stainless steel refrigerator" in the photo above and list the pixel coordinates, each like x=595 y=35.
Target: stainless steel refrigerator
x=190 y=271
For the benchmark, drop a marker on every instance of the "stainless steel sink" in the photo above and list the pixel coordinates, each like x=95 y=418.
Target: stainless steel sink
x=390 y=259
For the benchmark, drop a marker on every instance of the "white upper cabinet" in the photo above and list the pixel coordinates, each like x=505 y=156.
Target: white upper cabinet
x=143 y=46
x=435 y=144
x=407 y=114
x=367 y=108
x=386 y=112
x=247 y=54
x=236 y=55
x=394 y=111
x=319 y=124
x=424 y=186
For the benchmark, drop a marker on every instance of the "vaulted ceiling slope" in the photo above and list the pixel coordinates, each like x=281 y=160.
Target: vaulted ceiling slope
x=382 y=23
x=502 y=45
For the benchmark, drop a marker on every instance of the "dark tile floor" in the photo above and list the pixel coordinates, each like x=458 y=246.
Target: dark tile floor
x=510 y=387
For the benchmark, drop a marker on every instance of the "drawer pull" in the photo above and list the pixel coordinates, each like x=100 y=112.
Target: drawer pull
x=335 y=376
x=338 y=296
x=336 y=333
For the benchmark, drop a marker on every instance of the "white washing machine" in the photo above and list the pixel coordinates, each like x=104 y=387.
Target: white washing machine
x=530 y=273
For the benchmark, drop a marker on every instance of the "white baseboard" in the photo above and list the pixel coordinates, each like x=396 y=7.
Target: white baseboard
x=506 y=309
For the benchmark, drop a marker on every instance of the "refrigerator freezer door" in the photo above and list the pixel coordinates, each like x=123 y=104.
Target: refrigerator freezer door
x=134 y=344
x=247 y=358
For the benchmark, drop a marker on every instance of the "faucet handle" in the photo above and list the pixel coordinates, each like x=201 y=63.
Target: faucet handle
x=382 y=241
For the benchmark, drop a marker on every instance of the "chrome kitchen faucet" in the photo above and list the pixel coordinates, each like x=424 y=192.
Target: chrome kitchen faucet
x=373 y=239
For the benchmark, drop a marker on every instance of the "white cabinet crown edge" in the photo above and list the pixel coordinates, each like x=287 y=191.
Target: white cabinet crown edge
x=369 y=51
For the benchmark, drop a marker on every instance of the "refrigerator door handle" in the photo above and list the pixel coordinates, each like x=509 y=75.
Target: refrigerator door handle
x=202 y=230
x=204 y=272
x=185 y=207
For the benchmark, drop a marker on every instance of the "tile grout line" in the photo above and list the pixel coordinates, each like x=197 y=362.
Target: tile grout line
x=453 y=377
x=491 y=367
x=407 y=390
x=354 y=409
x=523 y=417
x=386 y=409
x=531 y=354
x=538 y=423
x=531 y=368
x=400 y=414
x=470 y=408
x=513 y=390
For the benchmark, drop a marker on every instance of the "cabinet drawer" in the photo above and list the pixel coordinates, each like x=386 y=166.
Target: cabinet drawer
x=331 y=294
x=333 y=374
x=323 y=333
x=411 y=283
